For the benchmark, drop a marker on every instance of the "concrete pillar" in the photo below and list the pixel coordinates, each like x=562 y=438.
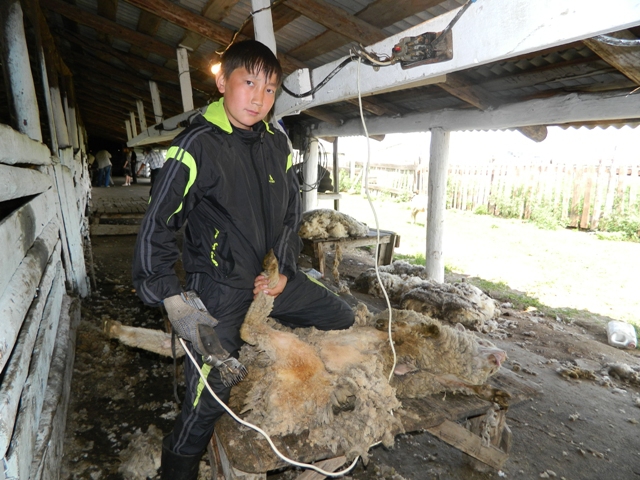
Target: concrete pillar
x=438 y=162
x=263 y=24
x=310 y=173
x=336 y=174
x=17 y=70
x=127 y=124
x=185 y=79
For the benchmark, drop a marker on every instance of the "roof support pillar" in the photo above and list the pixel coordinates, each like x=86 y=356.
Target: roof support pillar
x=141 y=115
x=127 y=124
x=438 y=163
x=134 y=129
x=155 y=100
x=263 y=24
x=310 y=174
x=15 y=59
x=185 y=79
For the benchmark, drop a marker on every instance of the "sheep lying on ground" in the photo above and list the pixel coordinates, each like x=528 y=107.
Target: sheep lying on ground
x=327 y=223
x=335 y=385
x=458 y=302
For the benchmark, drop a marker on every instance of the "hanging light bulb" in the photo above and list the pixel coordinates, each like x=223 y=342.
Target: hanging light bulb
x=215 y=68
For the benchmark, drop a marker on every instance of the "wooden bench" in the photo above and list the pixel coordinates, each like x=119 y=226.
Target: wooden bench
x=237 y=452
x=316 y=249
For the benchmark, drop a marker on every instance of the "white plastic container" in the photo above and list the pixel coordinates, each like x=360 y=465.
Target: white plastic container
x=621 y=335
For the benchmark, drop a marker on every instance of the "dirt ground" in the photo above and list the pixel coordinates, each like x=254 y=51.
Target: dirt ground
x=573 y=429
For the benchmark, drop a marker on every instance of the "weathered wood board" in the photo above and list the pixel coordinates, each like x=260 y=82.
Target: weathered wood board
x=316 y=249
x=18 y=366
x=17 y=297
x=19 y=230
x=20 y=454
x=250 y=452
x=16 y=182
x=19 y=148
x=51 y=429
x=72 y=226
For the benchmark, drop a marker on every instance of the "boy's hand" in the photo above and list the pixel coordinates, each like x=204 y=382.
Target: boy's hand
x=261 y=284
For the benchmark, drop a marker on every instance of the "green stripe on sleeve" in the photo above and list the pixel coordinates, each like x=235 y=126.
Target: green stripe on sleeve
x=184 y=157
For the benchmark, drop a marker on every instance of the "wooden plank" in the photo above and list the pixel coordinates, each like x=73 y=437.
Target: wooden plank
x=101 y=230
x=19 y=230
x=586 y=203
x=471 y=444
x=18 y=366
x=51 y=429
x=623 y=59
x=17 y=297
x=72 y=224
x=20 y=454
x=21 y=182
x=19 y=148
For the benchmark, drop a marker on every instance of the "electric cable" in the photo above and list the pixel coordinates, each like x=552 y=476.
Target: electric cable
x=375 y=216
x=262 y=432
x=618 y=42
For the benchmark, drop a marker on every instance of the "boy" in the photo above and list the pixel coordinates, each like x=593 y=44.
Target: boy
x=229 y=174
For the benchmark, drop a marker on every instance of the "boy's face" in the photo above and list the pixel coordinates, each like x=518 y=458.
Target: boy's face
x=248 y=97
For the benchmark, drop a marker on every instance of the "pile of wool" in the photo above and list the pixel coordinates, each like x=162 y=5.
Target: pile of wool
x=325 y=223
x=406 y=286
x=335 y=384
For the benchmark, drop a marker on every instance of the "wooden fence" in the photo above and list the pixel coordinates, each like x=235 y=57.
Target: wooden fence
x=580 y=195
x=42 y=227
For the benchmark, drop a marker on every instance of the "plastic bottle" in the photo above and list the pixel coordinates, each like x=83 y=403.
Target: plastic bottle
x=621 y=335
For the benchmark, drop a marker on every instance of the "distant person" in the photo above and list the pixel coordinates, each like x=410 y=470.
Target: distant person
x=131 y=160
x=155 y=160
x=126 y=168
x=103 y=158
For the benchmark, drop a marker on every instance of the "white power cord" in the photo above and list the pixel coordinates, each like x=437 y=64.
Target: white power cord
x=262 y=432
x=375 y=216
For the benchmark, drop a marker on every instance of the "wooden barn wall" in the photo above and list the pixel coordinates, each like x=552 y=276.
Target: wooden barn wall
x=43 y=230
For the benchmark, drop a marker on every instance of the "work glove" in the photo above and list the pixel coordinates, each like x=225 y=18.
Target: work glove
x=191 y=321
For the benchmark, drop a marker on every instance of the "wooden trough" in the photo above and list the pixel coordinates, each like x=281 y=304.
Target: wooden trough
x=237 y=452
x=317 y=248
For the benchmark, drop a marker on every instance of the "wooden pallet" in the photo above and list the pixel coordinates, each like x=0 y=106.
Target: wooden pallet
x=317 y=249
x=239 y=453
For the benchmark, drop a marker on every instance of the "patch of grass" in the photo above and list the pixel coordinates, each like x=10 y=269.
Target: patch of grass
x=417 y=259
x=503 y=293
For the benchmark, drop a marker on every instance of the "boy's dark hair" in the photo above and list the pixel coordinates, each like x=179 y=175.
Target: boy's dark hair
x=256 y=57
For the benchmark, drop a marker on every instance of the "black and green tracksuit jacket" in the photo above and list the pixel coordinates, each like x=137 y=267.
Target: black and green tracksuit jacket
x=237 y=193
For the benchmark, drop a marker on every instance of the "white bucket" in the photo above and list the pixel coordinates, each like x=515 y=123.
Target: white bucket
x=621 y=334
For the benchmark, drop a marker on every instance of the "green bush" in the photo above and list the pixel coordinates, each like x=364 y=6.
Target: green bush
x=625 y=225
x=544 y=217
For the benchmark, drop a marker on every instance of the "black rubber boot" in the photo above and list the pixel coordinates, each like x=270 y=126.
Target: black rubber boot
x=178 y=467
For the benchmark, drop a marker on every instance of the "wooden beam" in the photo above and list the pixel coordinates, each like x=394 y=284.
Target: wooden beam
x=624 y=59
x=191 y=21
x=133 y=37
x=215 y=11
x=158 y=72
x=558 y=110
x=148 y=23
x=338 y=20
x=564 y=21
x=379 y=14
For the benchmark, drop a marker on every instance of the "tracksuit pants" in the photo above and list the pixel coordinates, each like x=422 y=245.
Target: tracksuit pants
x=303 y=303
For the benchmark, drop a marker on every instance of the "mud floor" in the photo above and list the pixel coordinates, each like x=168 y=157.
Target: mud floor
x=123 y=399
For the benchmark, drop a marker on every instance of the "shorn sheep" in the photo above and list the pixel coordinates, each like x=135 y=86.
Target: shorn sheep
x=408 y=288
x=335 y=384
